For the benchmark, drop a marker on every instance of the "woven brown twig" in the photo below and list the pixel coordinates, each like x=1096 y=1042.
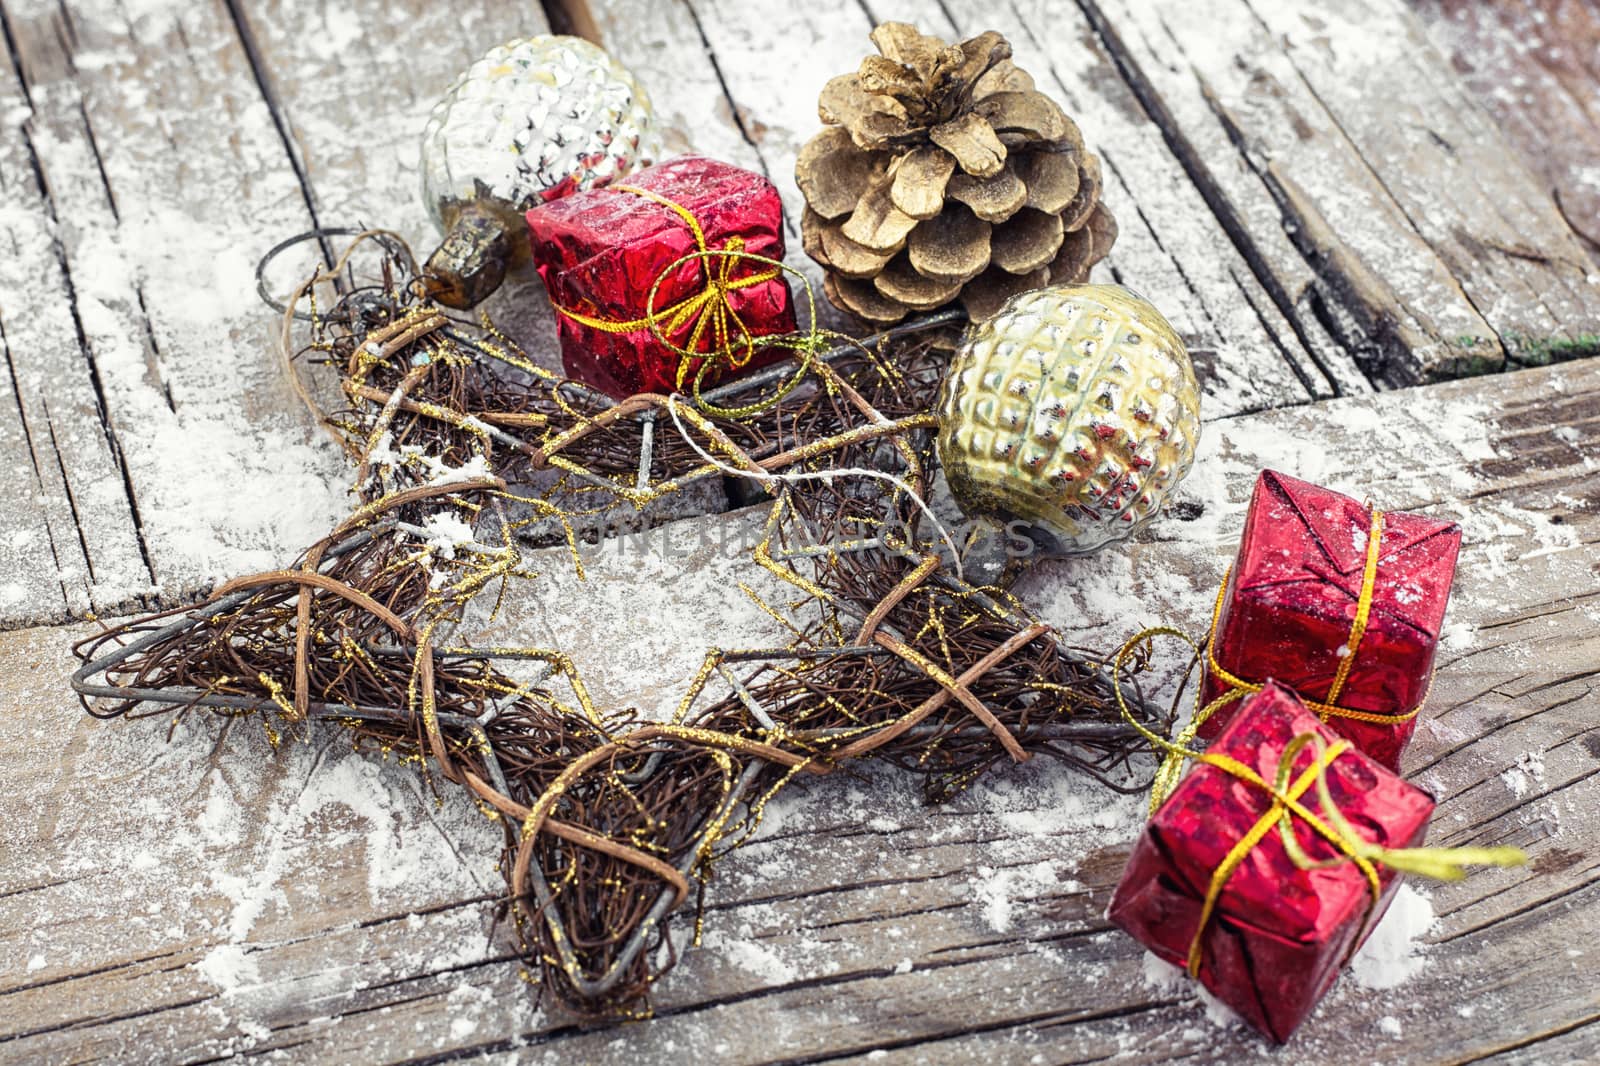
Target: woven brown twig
x=611 y=823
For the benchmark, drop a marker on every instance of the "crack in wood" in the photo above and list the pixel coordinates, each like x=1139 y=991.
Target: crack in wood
x=33 y=458
x=1039 y=1020
x=42 y=184
x=1522 y=801
x=1215 y=199
x=1509 y=721
x=1513 y=886
x=1380 y=181
x=66 y=481
x=100 y=1019
x=81 y=974
x=280 y=119
x=1533 y=1041
x=734 y=110
x=1524 y=911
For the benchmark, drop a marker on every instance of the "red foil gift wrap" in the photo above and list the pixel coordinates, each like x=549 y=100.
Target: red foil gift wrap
x=1289 y=606
x=1278 y=933
x=602 y=252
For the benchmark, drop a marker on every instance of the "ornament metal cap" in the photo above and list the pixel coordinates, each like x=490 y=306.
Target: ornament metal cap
x=472 y=260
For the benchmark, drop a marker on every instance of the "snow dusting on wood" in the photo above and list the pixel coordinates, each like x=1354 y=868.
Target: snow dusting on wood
x=211 y=893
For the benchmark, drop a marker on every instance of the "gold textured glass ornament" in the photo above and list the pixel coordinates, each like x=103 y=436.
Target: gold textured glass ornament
x=533 y=120
x=1073 y=409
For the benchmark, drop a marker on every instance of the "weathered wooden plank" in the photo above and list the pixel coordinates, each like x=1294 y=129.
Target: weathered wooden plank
x=1533 y=66
x=327 y=87
x=33 y=589
x=323 y=88
x=1170 y=249
x=1436 y=252
x=1515 y=256
x=353 y=87
x=1177 y=245
x=167 y=178
x=665 y=46
x=225 y=898
x=71 y=532
x=1355 y=264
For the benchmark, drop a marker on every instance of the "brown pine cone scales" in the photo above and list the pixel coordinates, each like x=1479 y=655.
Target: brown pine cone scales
x=941 y=173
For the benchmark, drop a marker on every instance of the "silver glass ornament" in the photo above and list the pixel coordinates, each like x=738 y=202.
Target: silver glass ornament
x=533 y=120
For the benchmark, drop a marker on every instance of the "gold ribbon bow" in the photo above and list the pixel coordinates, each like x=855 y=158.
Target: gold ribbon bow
x=709 y=309
x=1329 y=708
x=1440 y=863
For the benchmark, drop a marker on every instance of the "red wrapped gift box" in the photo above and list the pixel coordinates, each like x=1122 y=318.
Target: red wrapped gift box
x=600 y=252
x=1278 y=934
x=1292 y=596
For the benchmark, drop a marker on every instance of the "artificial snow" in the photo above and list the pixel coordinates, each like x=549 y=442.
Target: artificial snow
x=1394 y=953
x=998 y=892
x=263 y=834
x=247 y=824
x=231 y=853
x=446 y=531
x=229 y=967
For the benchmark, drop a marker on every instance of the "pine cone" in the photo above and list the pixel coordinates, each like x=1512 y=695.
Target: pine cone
x=941 y=173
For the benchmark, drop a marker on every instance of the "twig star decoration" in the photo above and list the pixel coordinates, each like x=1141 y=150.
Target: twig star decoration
x=466 y=452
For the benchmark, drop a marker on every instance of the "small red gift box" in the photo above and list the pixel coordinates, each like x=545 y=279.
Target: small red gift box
x=601 y=252
x=1277 y=934
x=1291 y=607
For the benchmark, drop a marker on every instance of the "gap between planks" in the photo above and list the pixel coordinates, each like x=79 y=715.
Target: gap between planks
x=894 y=882
x=1258 y=299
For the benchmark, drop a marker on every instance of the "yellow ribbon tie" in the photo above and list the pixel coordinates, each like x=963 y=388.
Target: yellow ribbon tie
x=1358 y=625
x=1330 y=707
x=1283 y=801
x=1440 y=863
x=710 y=309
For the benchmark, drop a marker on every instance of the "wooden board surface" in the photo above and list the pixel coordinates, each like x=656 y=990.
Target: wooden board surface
x=69 y=524
x=1434 y=249
x=166 y=178
x=1535 y=66
x=152 y=155
x=1306 y=244
x=208 y=896
x=730 y=60
x=1308 y=189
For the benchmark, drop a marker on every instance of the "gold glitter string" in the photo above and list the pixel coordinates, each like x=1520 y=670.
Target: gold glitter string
x=890 y=654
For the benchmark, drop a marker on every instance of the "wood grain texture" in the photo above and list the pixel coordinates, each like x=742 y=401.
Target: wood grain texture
x=35 y=592
x=743 y=75
x=1461 y=186
x=1535 y=66
x=1176 y=249
x=168 y=146
x=208 y=896
x=353 y=86
x=1435 y=251
x=165 y=179
x=68 y=523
